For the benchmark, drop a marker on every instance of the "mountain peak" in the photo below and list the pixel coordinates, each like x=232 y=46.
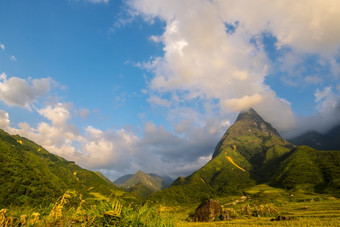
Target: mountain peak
x=250 y=128
x=250 y=113
x=140 y=172
x=251 y=119
x=142 y=183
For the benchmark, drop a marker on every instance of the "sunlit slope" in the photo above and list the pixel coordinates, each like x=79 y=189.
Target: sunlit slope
x=228 y=173
x=30 y=175
x=309 y=169
x=256 y=140
x=141 y=184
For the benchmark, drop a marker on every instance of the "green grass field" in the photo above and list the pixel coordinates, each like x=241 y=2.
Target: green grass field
x=305 y=209
x=320 y=213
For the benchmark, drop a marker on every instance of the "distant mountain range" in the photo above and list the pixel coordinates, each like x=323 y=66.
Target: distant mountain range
x=143 y=184
x=326 y=141
x=252 y=152
x=30 y=175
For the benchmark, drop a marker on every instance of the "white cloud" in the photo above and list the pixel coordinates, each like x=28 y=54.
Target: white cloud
x=307 y=25
x=155 y=38
x=159 y=101
x=2 y=46
x=4 y=120
x=99 y=1
x=320 y=95
x=328 y=101
x=312 y=79
x=121 y=151
x=244 y=102
x=13 y=58
x=20 y=92
x=3 y=76
x=327 y=116
x=202 y=61
x=210 y=74
x=58 y=114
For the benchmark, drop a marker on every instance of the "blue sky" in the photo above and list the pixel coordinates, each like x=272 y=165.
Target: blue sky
x=120 y=86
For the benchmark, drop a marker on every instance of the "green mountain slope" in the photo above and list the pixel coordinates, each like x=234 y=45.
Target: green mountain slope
x=310 y=169
x=255 y=139
x=252 y=152
x=30 y=175
x=104 y=178
x=247 y=146
x=119 y=181
x=142 y=184
x=227 y=173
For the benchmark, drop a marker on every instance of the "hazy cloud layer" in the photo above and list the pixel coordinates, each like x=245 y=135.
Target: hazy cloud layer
x=118 y=152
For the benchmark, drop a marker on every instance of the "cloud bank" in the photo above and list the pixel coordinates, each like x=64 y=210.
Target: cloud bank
x=215 y=50
x=117 y=152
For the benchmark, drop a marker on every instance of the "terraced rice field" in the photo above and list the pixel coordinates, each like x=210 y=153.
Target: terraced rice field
x=305 y=213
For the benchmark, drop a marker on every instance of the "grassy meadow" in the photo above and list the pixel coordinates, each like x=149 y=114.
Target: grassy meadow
x=258 y=208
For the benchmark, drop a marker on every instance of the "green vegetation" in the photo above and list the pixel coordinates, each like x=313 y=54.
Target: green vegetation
x=72 y=209
x=31 y=176
x=310 y=169
x=257 y=177
x=260 y=205
x=141 y=184
x=217 y=178
x=252 y=152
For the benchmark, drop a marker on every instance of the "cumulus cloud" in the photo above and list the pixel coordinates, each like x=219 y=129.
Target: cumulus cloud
x=213 y=50
x=328 y=104
x=325 y=118
x=4 y=120
x=2 y=46
x=202 y=60
x=214 y=65
x=20 y=92
x=155 y=38
x=118 y=152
